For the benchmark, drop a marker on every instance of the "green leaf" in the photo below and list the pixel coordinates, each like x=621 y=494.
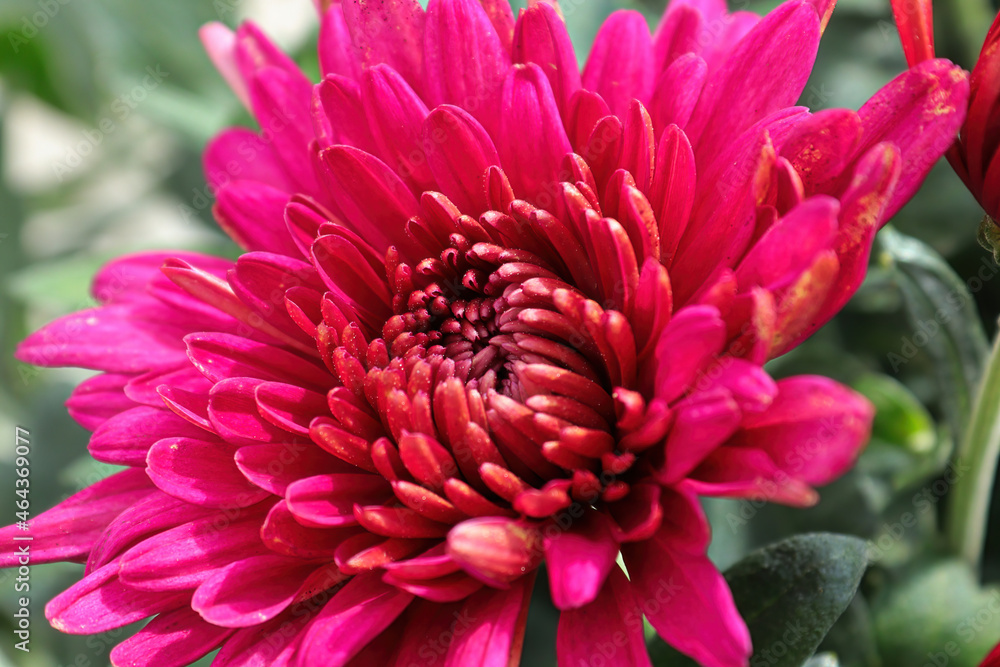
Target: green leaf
x=936 y=615
x=852 y=638
x=790 y=594
x=944 y=322
x=824 y=660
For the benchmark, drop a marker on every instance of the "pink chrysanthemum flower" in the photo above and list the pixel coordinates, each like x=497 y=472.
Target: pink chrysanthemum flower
x=492 y=313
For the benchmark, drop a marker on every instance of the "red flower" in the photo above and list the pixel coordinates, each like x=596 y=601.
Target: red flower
x=974 y=155
x=492 y=313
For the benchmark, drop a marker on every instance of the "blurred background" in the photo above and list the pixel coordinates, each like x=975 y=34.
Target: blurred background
x=105 y=106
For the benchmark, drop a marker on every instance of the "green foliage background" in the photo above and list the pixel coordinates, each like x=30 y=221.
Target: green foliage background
x=142 y=187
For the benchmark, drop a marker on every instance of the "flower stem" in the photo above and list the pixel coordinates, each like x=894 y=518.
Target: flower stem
x=976 y=468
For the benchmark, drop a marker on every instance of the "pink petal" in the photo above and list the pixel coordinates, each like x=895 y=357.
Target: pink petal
x=255 y=52
x=496 y=550
x=375 y=202
x=253 y=590
x=814 y=430
x=270 y=644
x=677 y=92
x=425 y=619
x=638 y=516
x=822 y=145
x=449 y=588
x=791 y=246
x=724 y=215
x=673 y=194
x=280 y=99
x=172 y=639
x=232 y=409
x=502 y=18
x=261 y=279
x=183 y=557
x=653 y=306
x=69 y=530
x=97 y=399
x=220 y=44
x=146 y=518
x=496 y=633
x=541 y=38
x=532 y=139
x=252 y=214
x=396 y=115
x=127 y=279
x=390 y=32
x=579 y=560
x=201 y=473
x=275 y=466
x=687 y=344
x=110 y=338
x=144 y=388
x=739 y=472
x=694 y=610
x=703 y=421
x=749 y=384
x=338 y=114
x=459 y=151
x=283 y=534
x=238 y=154
x=766 y=72
x=336 y=53
x=862 y=211
x=288 y=406
x=920 y=111
x=468 y=73
x=357 y=614
x=100 y=602
x=125 y=439
x=620 y=66
x=609 y=626
x=221 y=356
x=328 y=500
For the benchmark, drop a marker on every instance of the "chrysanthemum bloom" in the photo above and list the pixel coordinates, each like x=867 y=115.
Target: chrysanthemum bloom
x=492 y=314
x=975 y=155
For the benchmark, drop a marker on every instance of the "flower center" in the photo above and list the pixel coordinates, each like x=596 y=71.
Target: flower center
x=488 y=310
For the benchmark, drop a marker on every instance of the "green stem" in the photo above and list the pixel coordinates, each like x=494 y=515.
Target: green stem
x=976 y=466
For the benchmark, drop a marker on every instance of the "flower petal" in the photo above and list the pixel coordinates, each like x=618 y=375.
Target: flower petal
x=69 y=530
x=609 y=626
x=496 y=634
x=620 y=66
x=532 y=139
x=579 y=560
x=352 y=618
x=681 y=592
x=173 y=639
